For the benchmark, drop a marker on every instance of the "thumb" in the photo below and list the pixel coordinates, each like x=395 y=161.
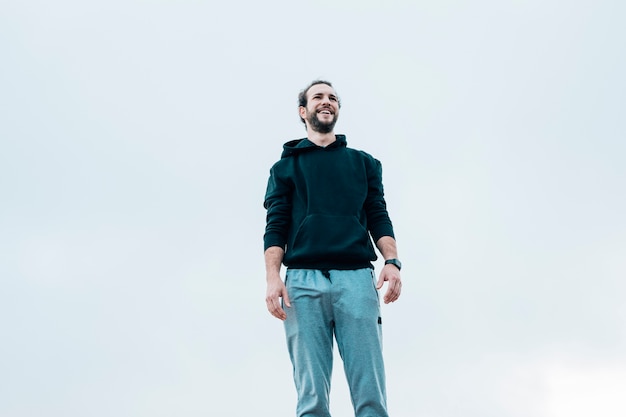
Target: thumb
x=286 y=298
x=380 y=282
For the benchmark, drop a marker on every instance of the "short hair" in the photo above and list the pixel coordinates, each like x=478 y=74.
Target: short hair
x=302 y=99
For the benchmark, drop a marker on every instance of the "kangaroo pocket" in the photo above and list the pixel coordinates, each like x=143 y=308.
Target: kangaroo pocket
x=331 y=237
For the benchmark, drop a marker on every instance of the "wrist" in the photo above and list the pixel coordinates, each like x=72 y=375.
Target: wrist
x=395 y=262
x=272 y=276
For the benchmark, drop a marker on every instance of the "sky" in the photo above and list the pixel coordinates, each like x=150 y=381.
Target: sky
x=136 y=141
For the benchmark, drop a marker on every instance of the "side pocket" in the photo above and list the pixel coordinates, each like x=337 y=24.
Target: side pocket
x=373 y=272
x=282 y=300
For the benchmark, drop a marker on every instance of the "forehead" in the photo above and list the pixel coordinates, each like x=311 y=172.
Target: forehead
x=321 y=89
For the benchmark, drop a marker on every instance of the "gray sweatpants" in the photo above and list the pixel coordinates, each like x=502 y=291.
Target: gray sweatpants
x=344 y=304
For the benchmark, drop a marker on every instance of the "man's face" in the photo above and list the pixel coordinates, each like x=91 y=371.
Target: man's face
x=322 y=109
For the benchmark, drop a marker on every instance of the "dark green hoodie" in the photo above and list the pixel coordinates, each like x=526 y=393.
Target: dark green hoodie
x=322 y=205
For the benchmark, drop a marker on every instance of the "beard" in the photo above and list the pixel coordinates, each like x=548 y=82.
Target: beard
x=321 y=127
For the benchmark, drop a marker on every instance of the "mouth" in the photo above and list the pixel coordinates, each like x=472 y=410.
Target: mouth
x=325 y=111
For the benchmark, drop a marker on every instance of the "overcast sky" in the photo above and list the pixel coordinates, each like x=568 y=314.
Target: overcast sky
x=137 y=138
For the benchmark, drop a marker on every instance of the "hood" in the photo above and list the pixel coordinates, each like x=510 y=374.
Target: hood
x=298 y=146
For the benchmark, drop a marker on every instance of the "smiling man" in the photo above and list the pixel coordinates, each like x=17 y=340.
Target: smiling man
x=323 y=110
x=325 y=206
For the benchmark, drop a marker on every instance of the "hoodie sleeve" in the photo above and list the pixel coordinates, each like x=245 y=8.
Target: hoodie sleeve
x=378 y=220
x=278 y=206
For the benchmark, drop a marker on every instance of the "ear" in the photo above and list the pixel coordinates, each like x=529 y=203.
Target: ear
x=302 y=112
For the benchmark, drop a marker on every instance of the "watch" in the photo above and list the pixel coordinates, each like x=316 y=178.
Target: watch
x=395 y=262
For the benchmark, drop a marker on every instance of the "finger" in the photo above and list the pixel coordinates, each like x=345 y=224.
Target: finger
x=380 y=282
x=286 y=299
x=393 y=292
x=397 y=290
x=275 y=309
x=387 y=294
x=279 y=313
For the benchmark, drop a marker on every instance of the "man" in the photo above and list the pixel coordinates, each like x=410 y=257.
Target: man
x=323 y=202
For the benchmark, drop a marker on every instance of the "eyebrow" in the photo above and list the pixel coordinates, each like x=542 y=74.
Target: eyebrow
x=321 y=94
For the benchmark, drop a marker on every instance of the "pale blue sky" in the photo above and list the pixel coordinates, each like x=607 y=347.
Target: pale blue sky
x=136 y=142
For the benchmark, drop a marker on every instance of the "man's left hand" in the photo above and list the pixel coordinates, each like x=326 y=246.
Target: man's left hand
x=391 y=274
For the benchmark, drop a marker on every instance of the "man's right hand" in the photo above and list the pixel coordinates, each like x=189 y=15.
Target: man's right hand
x=276 y=289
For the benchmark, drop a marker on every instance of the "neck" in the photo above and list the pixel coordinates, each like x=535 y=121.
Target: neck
x=321 y=139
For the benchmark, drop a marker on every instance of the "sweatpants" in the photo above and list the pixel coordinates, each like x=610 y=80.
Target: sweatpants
x=344 y=305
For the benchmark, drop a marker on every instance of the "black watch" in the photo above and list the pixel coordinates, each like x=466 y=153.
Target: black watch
x=395 y=262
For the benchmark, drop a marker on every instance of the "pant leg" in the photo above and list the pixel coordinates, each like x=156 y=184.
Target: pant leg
x=309 y=333
x=358 y=330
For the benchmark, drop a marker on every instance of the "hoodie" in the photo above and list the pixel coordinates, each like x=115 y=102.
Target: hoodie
x=323 y=204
